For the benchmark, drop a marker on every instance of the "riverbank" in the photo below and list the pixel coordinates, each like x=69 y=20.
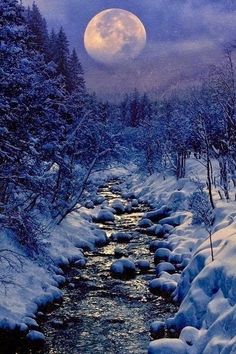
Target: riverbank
x=205 y=322
x=31 y=282
x=205 y=289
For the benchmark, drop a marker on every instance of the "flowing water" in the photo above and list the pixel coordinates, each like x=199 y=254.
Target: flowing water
x=100 y=314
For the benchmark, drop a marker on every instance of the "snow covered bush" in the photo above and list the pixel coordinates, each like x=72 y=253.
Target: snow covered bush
x=202 y=212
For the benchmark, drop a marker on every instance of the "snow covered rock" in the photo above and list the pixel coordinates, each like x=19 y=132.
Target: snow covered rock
x=134 y=203
x=121 y=237
x=167 y=346
x=59 y=279
x=123 y=268
x=35 y=338
x=155 y=286
x=154 y=245
x=99 y=200
x=158 y=214
x=189 y=335
x=159 y=231
x=143 y=265
x=118 y=206
x=101 y=238
x=31 y=323
x=165 y=267
x=105 y=216
x=81 y=263
x=162 y=286
x=157 y=329
x=174 y=221
x=176 y=258
x=89 y=204
x=128 y=208
x=145 y=223
x=162 y=254
x=167 y=229
x=155 y=230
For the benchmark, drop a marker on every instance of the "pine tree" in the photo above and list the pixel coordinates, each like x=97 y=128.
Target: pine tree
x=61 y=57
x=38 y=28
x=76 y=74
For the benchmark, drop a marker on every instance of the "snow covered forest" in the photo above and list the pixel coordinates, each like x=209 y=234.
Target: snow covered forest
x=174 y=156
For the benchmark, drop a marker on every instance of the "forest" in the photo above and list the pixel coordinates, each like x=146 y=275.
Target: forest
x=56 y=135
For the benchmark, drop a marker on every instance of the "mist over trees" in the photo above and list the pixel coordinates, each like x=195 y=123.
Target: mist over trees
x=54 y=133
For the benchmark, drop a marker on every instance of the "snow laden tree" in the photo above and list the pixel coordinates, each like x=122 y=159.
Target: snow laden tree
x=204 y=116
x=53 y=134
x=31 y=106
x=202 y=210
x=38 y=28
x=90 y=144
x=222 y=84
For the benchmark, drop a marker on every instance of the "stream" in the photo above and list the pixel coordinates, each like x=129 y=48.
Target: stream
x=100 y=314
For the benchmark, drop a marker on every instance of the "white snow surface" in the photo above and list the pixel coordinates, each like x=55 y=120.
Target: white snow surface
x=30 y=284
x=206 y=319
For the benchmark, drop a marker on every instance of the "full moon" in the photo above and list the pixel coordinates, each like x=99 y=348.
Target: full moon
x=114 y=36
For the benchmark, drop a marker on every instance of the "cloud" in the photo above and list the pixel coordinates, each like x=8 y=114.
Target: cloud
x=184 y=37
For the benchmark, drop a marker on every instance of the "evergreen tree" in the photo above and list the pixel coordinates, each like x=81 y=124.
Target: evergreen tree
x=76 y=78
x=38 y=27
x=61 y=57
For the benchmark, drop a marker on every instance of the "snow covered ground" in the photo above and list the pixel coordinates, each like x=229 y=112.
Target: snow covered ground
x=206 y=290
x=29 y=285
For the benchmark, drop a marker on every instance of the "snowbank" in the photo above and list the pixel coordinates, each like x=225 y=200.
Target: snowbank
x=206 y=290
x=30 y=284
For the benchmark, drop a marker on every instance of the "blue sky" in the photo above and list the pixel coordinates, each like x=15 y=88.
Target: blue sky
x=184 y=38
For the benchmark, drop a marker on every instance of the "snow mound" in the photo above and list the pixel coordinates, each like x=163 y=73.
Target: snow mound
x=123 y=268
x=167 y=346
x=143 y=265
x=165 y=267
x=105 y=216
x=162 y=254
x=144 y=223
x=118 y=206
x=35 y=338
x=158 y=214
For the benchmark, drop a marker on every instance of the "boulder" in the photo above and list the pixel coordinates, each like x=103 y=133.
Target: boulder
x=158 y=214
x=162 y=286
x=162 y=254
x=118 y=206
x=134 y=203
x=145 y=223
x=99 y=200
x=89 y=204
x=123 y=268
x=143 y=265
x=165 y=267
x=173 y=220
x=121 y=237
x=157 y=329
x=154 y=245
x=105 y=216
x=35 y=338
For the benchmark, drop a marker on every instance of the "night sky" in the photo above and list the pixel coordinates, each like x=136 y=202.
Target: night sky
x=183 y=38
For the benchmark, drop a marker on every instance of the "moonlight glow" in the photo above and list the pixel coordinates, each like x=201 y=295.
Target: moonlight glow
x=114 y=36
